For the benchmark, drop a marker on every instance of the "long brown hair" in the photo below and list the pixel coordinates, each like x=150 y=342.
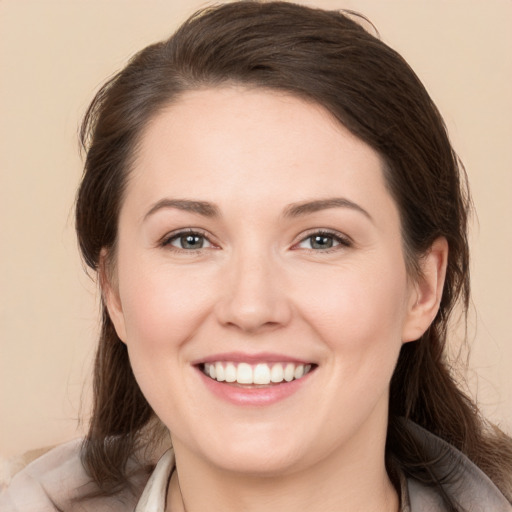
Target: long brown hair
x=328 y=58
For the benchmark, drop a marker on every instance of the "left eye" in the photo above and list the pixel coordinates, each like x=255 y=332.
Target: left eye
x=188 y=241
x=322 y=241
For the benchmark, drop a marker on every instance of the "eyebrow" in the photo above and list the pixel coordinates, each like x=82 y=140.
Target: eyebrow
x=200 y=207
x=307 y=207
x=206 y=209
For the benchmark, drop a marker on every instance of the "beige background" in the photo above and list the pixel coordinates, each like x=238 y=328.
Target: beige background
x=54 y=55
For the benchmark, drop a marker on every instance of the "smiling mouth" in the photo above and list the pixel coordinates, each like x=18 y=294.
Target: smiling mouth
x=255 y=374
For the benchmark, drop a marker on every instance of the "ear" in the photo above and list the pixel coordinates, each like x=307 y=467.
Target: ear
x=426 y=291
x=110 y=293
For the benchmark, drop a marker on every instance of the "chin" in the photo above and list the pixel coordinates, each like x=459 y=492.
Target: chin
x=251 y=451
x=259 y=463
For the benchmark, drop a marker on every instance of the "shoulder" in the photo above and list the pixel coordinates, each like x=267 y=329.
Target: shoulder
x=467 y=485
x=46 y=483
x=54 y=482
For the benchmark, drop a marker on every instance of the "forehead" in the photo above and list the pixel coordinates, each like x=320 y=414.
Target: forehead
x=253 y=146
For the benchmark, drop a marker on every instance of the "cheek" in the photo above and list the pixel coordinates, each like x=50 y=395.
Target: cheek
x=165 y=310
x=162 y=306
x=357 y=308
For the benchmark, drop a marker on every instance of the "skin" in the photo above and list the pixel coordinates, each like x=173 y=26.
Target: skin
x=259 y=285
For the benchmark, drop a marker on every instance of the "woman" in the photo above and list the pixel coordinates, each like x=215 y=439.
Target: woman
x=278 y=223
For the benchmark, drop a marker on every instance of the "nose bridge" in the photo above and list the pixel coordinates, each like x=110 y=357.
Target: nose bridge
x=253 y=295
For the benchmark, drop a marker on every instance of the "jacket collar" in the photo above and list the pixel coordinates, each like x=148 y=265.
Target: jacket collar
x=468 y=486
x=154 y=495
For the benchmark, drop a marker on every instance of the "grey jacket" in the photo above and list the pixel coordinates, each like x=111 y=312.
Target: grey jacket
x=50 y=483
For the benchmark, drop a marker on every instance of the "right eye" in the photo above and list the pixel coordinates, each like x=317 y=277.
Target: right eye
x=187 y=241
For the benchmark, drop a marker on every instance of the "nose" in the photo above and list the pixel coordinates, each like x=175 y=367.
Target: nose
x=254 y=295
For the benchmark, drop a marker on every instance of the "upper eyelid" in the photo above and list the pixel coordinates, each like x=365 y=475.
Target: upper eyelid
x=180 y=232
x=329 y=232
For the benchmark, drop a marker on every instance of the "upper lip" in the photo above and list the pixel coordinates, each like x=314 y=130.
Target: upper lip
x=241 y=357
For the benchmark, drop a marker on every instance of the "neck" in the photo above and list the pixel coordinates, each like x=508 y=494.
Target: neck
x=355 y=484
x=272 y=495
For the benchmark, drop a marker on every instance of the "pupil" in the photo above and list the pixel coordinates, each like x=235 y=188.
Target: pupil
x=321 y=242
x=191 y=242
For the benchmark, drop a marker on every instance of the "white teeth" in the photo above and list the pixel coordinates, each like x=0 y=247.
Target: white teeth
x=230 y=372
x=219 y=370
x=244 y=374
x=277 y=373
x=261 y=373
x=289 y=372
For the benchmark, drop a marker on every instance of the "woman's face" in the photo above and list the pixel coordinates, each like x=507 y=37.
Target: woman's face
x=257 y=243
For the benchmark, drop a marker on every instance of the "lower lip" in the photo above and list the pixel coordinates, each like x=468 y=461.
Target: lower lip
x=253 y=396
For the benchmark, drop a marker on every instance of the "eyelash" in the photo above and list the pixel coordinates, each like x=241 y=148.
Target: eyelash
x=168 y=239
x=341 y=240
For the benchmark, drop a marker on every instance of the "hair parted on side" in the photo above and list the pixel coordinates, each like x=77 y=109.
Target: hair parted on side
x=325 y=57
